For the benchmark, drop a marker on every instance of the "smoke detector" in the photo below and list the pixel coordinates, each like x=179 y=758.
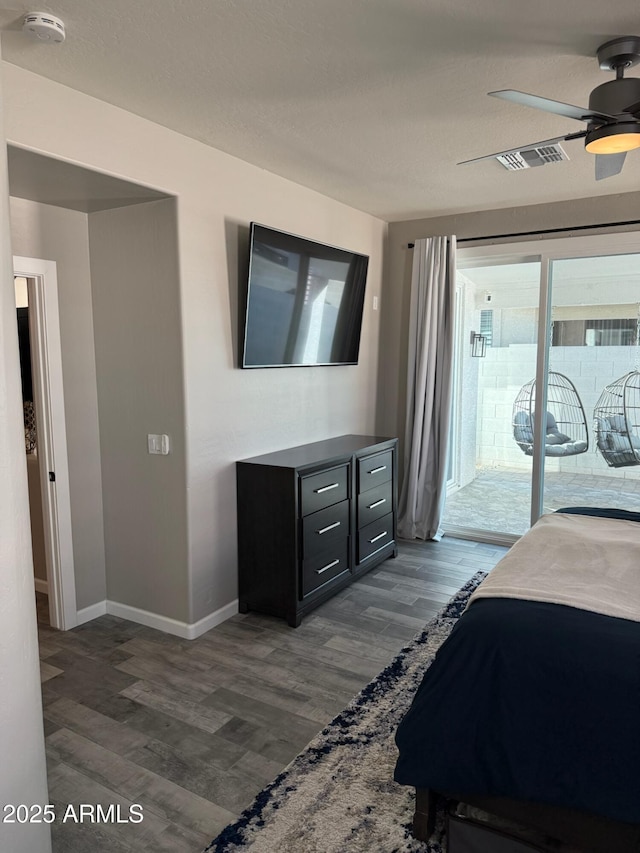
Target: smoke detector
x=44 y=27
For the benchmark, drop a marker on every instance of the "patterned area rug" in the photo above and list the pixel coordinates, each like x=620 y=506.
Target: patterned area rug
x=338 y=795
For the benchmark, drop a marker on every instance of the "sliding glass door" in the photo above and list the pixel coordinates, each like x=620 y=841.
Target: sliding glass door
x=542 y=330
x=496 y=353
x=594 y=344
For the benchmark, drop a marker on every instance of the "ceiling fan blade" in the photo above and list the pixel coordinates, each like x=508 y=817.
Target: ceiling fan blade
x=553 y=141
x=557 y=107
x=608 y=165
x=633 y=110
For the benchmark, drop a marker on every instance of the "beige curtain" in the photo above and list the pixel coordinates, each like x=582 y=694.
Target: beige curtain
x=429 y=382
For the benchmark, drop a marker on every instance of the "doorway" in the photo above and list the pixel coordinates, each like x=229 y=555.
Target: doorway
x=559 y=322
x=45 y=437
x=21 y=285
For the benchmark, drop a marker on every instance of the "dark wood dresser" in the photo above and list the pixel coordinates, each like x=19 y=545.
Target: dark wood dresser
x=311 y=519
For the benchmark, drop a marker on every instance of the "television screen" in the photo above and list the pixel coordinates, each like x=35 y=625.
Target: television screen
x=304 y=301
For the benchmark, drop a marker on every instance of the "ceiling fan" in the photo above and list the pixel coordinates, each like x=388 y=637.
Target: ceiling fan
x=612 y=117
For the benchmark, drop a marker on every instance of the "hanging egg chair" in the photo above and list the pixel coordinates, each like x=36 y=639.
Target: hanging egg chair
x=567 y=433
x=616 y=421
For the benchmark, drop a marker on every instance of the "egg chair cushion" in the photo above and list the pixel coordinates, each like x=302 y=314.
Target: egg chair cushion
x=553 y=434
x=568 y=448
x=614 y=442
x=617 y=423
x=522 y=431
x=556 y=442
x=620 y=442
x=556 y=437
x=603 y=431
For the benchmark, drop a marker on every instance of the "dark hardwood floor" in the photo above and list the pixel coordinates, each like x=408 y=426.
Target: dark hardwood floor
x=193 y=730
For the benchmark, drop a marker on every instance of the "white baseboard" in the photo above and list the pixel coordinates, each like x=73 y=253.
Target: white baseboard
x=92 y=612
x=41 y=586
x=188 y=631
x=197 y=629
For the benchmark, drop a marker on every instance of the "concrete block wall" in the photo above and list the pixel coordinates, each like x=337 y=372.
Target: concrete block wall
x=505 y=370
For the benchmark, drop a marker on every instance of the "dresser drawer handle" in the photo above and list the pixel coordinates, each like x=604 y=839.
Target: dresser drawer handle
x=377 y=470
x=377 y=503
x=328 y=528
x=379 y=536
x=327 y=567
x=326 y=488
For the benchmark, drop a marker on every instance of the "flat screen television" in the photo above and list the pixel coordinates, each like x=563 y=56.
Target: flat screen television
x=304 y=302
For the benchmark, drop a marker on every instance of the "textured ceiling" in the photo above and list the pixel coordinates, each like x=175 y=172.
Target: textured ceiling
x=371 y=102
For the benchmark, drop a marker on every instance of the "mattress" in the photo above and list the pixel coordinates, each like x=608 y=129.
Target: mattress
x=531 y=700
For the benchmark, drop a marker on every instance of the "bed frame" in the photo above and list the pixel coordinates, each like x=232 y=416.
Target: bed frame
x=588 y=832
x=564 y=829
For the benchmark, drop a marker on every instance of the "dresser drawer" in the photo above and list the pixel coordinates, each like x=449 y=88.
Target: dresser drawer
x=324 y=489
x=321 y=529
x=375 y=536
x=373 y=470
x=325 y=566
x=374 y=503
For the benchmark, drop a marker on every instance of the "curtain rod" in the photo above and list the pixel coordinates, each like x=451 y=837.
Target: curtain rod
x=543 y=231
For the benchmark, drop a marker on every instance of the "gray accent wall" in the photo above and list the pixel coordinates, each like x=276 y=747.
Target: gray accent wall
x=137 y=329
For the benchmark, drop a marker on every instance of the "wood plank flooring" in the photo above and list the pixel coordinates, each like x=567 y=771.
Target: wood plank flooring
x=193 y=730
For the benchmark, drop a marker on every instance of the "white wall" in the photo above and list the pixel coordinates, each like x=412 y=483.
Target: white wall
x=23 y=778
x=506 y=369
x=56 y=234
x=229 y=414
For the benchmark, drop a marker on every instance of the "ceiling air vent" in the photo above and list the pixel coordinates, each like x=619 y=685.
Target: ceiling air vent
x=528 y=157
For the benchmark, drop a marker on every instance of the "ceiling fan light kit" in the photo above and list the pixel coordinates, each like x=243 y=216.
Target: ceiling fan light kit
x=613 y=139
x=612 y=117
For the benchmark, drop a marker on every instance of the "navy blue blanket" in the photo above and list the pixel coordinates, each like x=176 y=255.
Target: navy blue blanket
x=531 y=701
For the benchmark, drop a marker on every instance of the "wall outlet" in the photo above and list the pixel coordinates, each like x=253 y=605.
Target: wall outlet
x=158 y=444
x=375 y=303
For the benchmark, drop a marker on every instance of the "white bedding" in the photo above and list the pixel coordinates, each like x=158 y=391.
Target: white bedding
x=576 y=560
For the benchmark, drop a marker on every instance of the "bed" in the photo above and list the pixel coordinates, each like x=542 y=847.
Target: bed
x=531 y=708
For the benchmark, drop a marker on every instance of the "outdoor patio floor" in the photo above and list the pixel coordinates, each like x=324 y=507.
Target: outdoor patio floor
x=499 y=499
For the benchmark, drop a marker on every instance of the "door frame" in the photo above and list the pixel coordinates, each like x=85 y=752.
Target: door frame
x=453 y=455
x=544 y=252
x=53 y=463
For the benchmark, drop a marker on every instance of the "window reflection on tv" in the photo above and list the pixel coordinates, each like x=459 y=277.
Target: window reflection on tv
x=304 y=301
